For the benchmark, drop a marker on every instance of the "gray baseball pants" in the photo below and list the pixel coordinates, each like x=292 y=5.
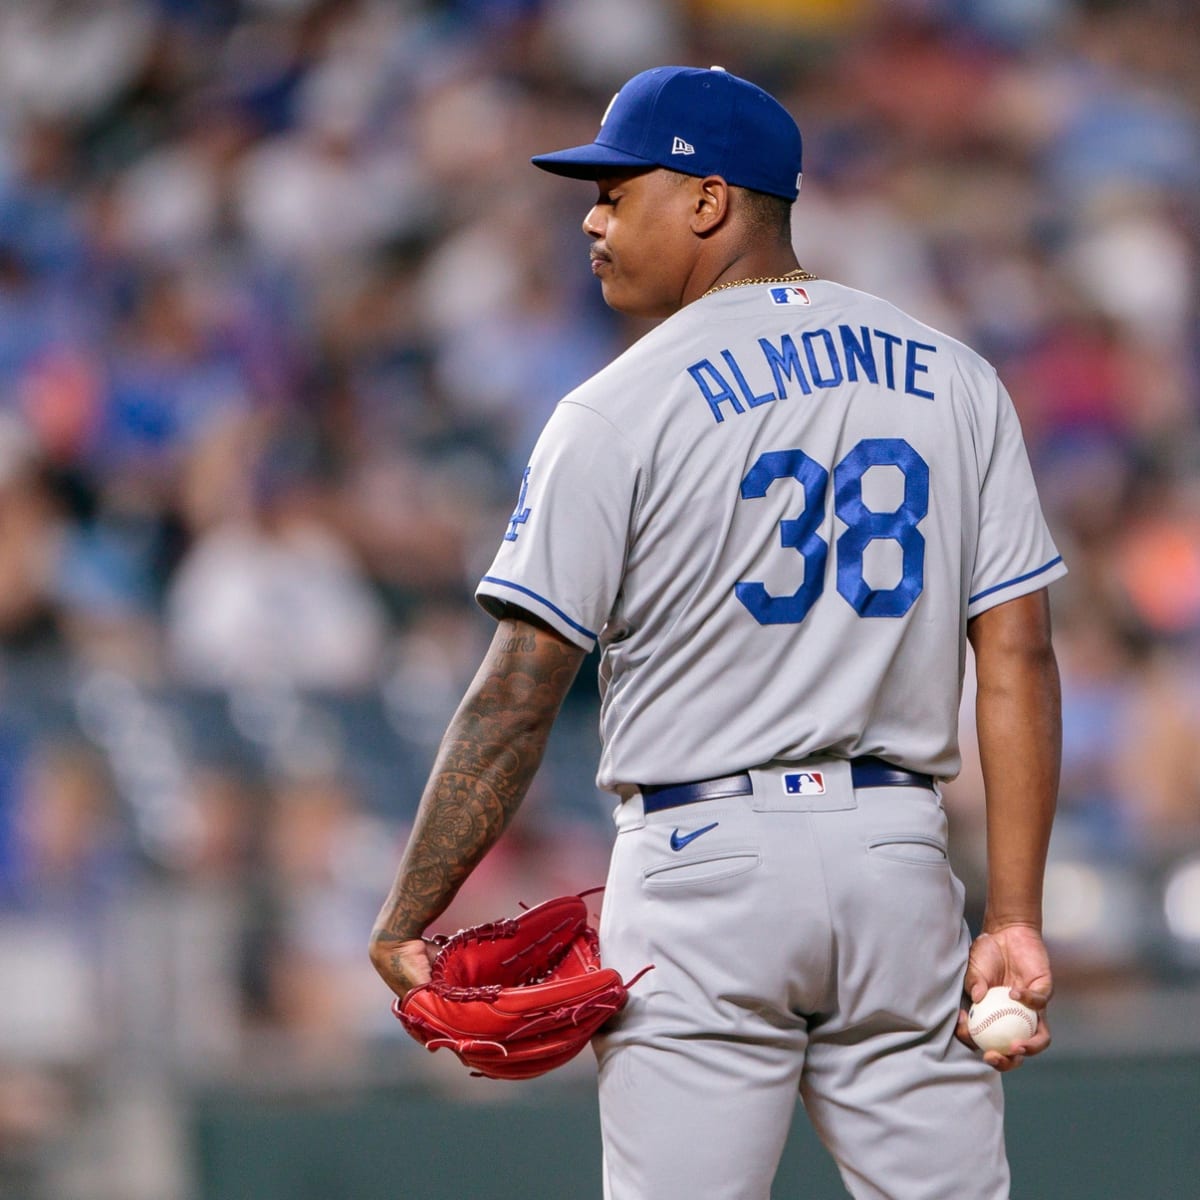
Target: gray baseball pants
x=803 y=945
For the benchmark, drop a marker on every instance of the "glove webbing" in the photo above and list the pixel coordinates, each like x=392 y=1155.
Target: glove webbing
x=493 y=931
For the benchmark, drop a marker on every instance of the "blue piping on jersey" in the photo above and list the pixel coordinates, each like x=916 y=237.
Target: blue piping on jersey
x=516 y=587
x=1019 y=579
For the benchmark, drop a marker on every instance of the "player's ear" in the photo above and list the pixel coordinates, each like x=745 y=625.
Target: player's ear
x=710 y=204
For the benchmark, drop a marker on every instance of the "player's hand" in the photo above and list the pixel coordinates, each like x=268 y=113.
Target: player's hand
x=402 y=964
x=1011 y=956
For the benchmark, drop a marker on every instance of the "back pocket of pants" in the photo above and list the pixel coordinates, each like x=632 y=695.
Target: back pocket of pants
x=919 y=848
x=699 y=870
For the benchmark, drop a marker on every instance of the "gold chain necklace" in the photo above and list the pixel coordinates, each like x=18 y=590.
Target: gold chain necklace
x=799 y=275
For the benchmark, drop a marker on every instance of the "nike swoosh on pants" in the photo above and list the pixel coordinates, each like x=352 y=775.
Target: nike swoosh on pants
x=679 y=840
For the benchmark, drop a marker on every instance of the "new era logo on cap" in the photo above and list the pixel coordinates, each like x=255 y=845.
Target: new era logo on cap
x=679 y=146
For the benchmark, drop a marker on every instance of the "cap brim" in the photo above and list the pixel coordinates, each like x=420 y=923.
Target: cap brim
x=590 y=161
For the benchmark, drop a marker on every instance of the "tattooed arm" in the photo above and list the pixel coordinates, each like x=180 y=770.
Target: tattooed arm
x=487 y=759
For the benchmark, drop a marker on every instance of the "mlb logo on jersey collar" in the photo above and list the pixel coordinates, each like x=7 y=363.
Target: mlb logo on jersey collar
x=789 y=295
x=804 y=783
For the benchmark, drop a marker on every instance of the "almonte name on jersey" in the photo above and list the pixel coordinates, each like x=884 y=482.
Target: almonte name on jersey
x=829 y=359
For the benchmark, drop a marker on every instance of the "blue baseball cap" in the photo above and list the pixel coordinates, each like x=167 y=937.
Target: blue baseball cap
x=699 y=122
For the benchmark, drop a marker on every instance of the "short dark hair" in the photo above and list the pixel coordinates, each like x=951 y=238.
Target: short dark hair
x=767 y=214
x=770 y=216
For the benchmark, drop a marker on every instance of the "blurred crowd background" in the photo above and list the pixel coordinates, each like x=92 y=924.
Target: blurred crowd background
x=282 y=309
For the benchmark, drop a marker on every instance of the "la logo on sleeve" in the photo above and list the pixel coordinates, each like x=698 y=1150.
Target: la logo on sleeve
x=521 y=512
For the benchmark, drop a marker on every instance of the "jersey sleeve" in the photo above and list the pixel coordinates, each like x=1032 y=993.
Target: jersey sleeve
x=1015 y=554
x=563 y=553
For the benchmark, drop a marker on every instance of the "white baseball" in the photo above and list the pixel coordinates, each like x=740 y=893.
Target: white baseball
x=998 y=1020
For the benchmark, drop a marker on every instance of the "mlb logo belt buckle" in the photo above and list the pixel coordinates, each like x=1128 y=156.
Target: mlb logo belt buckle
x=804 y=783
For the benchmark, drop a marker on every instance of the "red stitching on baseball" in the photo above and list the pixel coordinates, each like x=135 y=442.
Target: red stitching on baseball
x=1005 y=1012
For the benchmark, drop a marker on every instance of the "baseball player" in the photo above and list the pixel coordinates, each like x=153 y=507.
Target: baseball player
x=782 y=514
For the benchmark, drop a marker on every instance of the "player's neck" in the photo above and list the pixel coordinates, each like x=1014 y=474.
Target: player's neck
x=766 y=262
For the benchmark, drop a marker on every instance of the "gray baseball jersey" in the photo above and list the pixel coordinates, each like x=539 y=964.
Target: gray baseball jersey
x=776 y=513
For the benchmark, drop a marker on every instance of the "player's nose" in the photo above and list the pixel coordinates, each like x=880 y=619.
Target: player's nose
x=593 y=223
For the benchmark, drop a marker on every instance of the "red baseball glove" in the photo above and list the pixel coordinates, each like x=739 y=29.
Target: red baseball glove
x=516 y=998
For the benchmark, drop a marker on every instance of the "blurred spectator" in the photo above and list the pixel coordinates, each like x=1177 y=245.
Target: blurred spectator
x=63 y=868
x=67 y=854
x=1159 y=759
x=1156 y=560
x=317 y=843
x=61 y=58
x=30 y=533
x=273 y=597
x=178 y=198
x=508 y=362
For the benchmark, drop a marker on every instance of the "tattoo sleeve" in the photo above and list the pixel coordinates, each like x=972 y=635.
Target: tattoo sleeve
x=486 y=761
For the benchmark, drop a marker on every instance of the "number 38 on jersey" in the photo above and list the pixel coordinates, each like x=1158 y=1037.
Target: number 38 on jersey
x=863 y=526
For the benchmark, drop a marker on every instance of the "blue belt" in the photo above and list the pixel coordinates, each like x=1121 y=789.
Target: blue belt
x=865 y=772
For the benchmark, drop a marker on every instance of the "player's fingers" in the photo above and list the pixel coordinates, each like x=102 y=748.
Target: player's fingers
x=1040 y=1040
x=412 y=962
x=402 y=964
x=1003 y=1062
x=962 y=1032
x=1036 y=997
x=985 y=967
x=1020 y=1050
x=975 y=983
x=975 y=987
